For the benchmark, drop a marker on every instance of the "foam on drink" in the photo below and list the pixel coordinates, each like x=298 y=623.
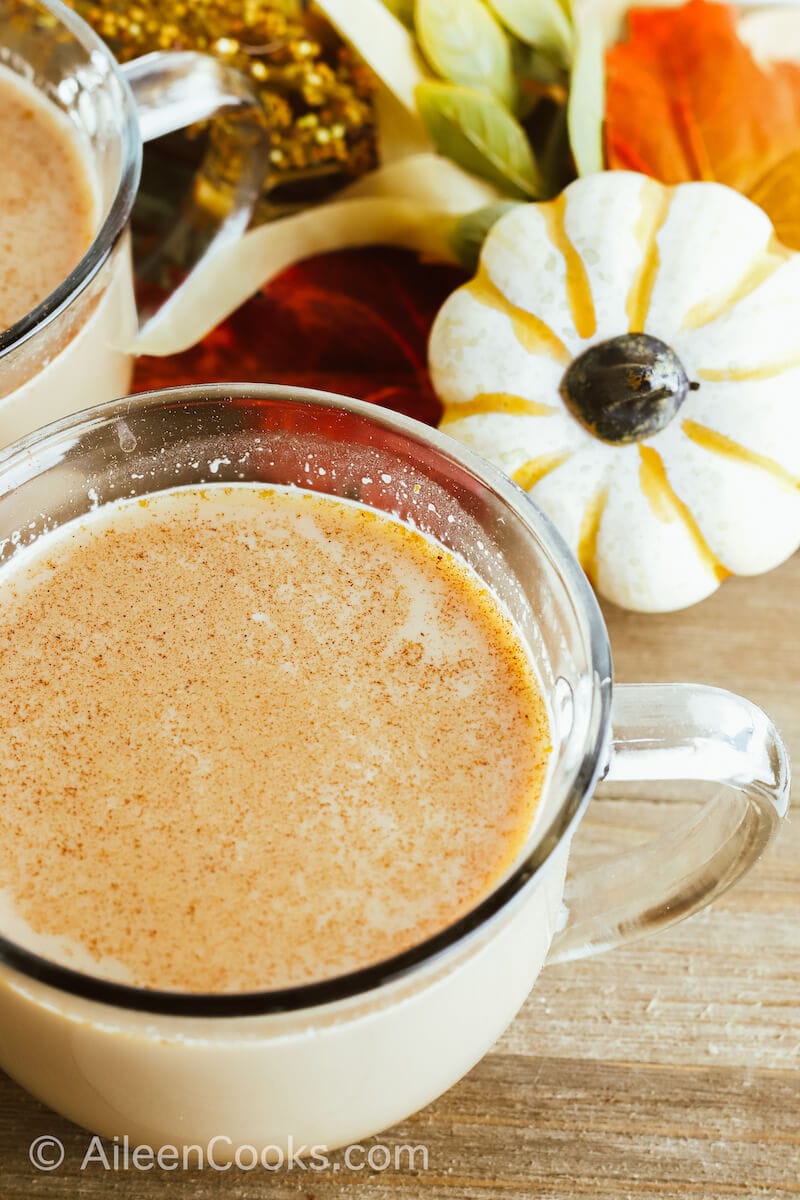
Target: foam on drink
x=254 y=737
x=48 y=200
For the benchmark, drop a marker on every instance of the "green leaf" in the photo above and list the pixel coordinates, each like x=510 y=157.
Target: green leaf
x=465 y=44
x=471 y=231
x=403 y=10
x=541 y=23
x=475 y=131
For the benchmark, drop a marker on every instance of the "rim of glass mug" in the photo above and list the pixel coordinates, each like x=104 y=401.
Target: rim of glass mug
x=120 y=209
x=19 y=461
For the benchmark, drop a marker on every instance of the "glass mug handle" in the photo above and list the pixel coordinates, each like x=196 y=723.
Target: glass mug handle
x=175 y=89
x=680 y=732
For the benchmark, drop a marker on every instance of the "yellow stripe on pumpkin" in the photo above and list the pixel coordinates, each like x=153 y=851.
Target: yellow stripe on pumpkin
x=668 y=506
x=748 y=374
x=579 y=292
x=718 y=443
x=496 y=402
x=533 y=334
x=655 y=205
x=534 y=470
x=589 y=532
x=763 y=267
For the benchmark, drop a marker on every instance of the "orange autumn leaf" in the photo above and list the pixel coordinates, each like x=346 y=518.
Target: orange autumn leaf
x=778 y=193
x=686 y=99
x=356 y=322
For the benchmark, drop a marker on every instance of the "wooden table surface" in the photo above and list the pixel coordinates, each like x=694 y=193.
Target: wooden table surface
x=668 y=1069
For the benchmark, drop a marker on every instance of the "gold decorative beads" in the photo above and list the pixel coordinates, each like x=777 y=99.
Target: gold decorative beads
x=317 y=94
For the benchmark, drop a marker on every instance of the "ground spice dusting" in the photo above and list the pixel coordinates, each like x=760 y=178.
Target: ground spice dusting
x=252 y=738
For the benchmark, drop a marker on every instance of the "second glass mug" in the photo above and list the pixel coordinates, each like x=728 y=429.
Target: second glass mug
x=75 y=348
x=329 y=1063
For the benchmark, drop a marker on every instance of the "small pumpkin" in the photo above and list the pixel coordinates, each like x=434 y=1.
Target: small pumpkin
x=629 y=353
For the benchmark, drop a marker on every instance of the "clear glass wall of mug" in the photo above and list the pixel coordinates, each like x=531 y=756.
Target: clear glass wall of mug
x=334 y=1060
x=73 y=349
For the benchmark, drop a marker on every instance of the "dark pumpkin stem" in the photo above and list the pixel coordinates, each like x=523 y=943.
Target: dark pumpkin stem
x=626 y=389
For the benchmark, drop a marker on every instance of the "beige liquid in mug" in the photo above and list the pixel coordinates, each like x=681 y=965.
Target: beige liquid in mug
x=51 y=207
x=48 y=200
x=254 y=737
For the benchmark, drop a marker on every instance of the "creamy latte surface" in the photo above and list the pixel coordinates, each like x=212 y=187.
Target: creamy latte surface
x=48 y=202
x=254 y=737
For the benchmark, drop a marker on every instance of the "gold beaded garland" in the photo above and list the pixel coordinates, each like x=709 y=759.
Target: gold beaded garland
x=316 y=93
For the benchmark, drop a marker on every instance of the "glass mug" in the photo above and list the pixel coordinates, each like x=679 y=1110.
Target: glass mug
x=329 y=1063
x=74 y=348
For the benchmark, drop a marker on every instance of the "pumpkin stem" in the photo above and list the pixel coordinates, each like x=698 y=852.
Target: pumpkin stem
x=626 y=389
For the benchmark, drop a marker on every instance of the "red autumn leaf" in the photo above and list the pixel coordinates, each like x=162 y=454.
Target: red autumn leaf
x=686 y=99
x=356 y=323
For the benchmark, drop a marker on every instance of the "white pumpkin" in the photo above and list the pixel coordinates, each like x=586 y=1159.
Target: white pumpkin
x=658 y=518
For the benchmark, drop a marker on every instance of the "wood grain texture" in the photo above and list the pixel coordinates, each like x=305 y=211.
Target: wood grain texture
x=668 y=1069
